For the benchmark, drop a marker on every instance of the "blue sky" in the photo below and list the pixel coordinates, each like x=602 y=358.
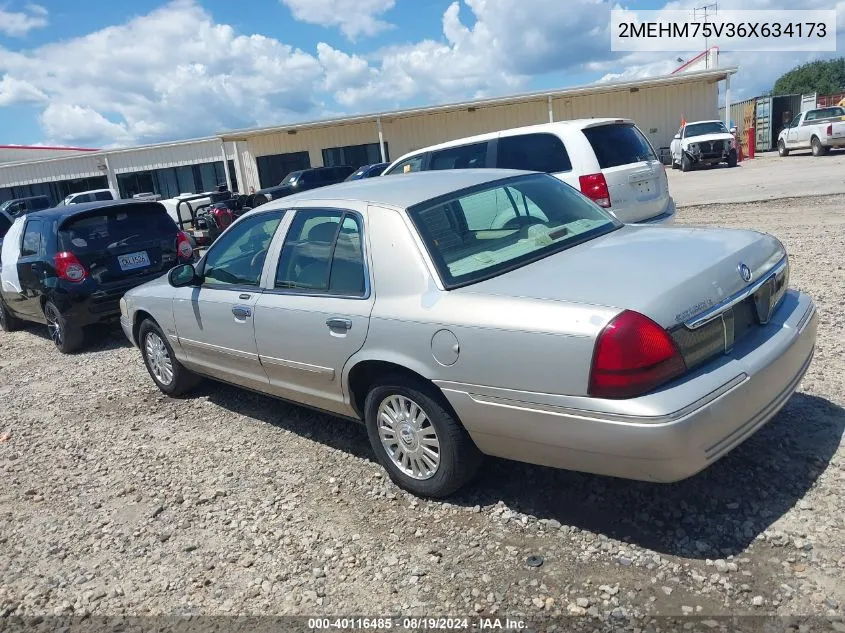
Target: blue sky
x=103 y=73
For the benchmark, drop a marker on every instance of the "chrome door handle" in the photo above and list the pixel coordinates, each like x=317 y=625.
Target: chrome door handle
x=336 y=323
x=241 y=312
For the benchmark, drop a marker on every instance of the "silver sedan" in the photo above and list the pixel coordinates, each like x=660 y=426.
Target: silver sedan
x=482 y=312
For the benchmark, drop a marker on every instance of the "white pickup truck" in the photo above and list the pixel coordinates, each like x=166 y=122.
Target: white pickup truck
x=818 y=130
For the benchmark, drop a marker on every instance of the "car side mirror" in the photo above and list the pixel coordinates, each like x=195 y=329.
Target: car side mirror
x=183 y=275
x=677 y=137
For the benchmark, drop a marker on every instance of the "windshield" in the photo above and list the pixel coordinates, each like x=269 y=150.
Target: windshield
x=708 y=127
x=484 y=231
x=290 y=178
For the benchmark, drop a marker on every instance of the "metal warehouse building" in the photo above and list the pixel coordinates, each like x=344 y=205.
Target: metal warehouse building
x=262 y=157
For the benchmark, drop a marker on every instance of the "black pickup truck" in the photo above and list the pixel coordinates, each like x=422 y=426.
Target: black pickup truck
x=306 y=179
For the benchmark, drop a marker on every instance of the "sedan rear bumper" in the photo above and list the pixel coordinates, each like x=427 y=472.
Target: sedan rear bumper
x=665 y=436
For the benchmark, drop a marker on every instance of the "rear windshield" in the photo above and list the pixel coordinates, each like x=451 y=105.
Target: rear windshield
x=115 y=227
x=619 y=144
x=39 y=203
x=484 y=231
x=825 y=113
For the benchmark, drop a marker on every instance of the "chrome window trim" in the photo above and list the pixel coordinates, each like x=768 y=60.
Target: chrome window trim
x=717 y=310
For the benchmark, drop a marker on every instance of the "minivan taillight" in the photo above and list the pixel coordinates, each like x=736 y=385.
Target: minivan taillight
x=69 y=268
x=594 y=186
x=633 y=355
x=183 y=246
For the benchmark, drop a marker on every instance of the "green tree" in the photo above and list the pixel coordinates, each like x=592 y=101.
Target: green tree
x=824 y=77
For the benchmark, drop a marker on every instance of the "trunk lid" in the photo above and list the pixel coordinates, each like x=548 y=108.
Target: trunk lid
x=636 y=179
x=669 y=274
x=119 y=243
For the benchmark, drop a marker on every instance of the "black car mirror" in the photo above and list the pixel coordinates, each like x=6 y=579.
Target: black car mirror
x=183 y=275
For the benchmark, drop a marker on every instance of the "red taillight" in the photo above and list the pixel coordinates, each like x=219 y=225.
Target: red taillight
x=69 y=268
x=594 y=186
x=183 y=246
x=633 y=355
x=830 y=130
x=223 y=217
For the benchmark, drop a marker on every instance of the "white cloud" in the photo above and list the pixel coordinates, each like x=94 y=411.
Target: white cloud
x=19 y=91
x=190 y=77
x=72 y=122
x=354 y=17
x=19 y=23
x=193 y=77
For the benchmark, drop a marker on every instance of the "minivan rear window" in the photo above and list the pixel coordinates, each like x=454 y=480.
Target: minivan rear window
x=115 y=226
x=619 y=144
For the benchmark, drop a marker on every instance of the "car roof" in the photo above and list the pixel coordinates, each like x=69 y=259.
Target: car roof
x=578 y=124
x=401 y=190
x=705 y=121
x=76 y=193
x=61 y=213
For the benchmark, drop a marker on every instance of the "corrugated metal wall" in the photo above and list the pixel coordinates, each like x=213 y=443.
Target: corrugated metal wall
x=657 y=111
x=141 y=159
x=743 y=115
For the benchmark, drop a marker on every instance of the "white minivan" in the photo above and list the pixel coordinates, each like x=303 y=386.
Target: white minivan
x=608 y=160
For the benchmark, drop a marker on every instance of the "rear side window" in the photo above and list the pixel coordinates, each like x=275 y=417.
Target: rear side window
x=533 y=152
x=39 y=203
x=113 y=227
x=618 y=144
x=322 y=254
x=103 y=195
x=32 y=242
x=462 y=157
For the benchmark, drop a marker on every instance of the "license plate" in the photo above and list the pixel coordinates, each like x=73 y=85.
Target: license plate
x=131 y=261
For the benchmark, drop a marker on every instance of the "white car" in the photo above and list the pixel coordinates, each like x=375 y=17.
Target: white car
x=703 y=143
x=608 y=160
x=94 y=195
x=819 y=130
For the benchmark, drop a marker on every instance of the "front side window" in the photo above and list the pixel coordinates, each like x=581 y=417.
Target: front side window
x=237 y=257
x=462 y=157
x=484 y=231
x=533 y=152
x=31 y=244
x=323 y=254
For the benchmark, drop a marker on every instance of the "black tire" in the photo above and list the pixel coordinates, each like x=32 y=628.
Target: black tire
x=782 y=150
x=181 y=380
x=732 y=158
x=8 y=321
x=674 y=164
x=459 y=458
x=818 y=148
x=686 y=162
x=67 y=337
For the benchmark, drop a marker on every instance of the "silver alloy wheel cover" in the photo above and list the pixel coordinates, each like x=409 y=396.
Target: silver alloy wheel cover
x=158 y=358
x=408 y=437
x=54 y=325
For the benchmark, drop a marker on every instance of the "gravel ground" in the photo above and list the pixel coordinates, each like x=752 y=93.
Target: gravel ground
x=117 y=500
